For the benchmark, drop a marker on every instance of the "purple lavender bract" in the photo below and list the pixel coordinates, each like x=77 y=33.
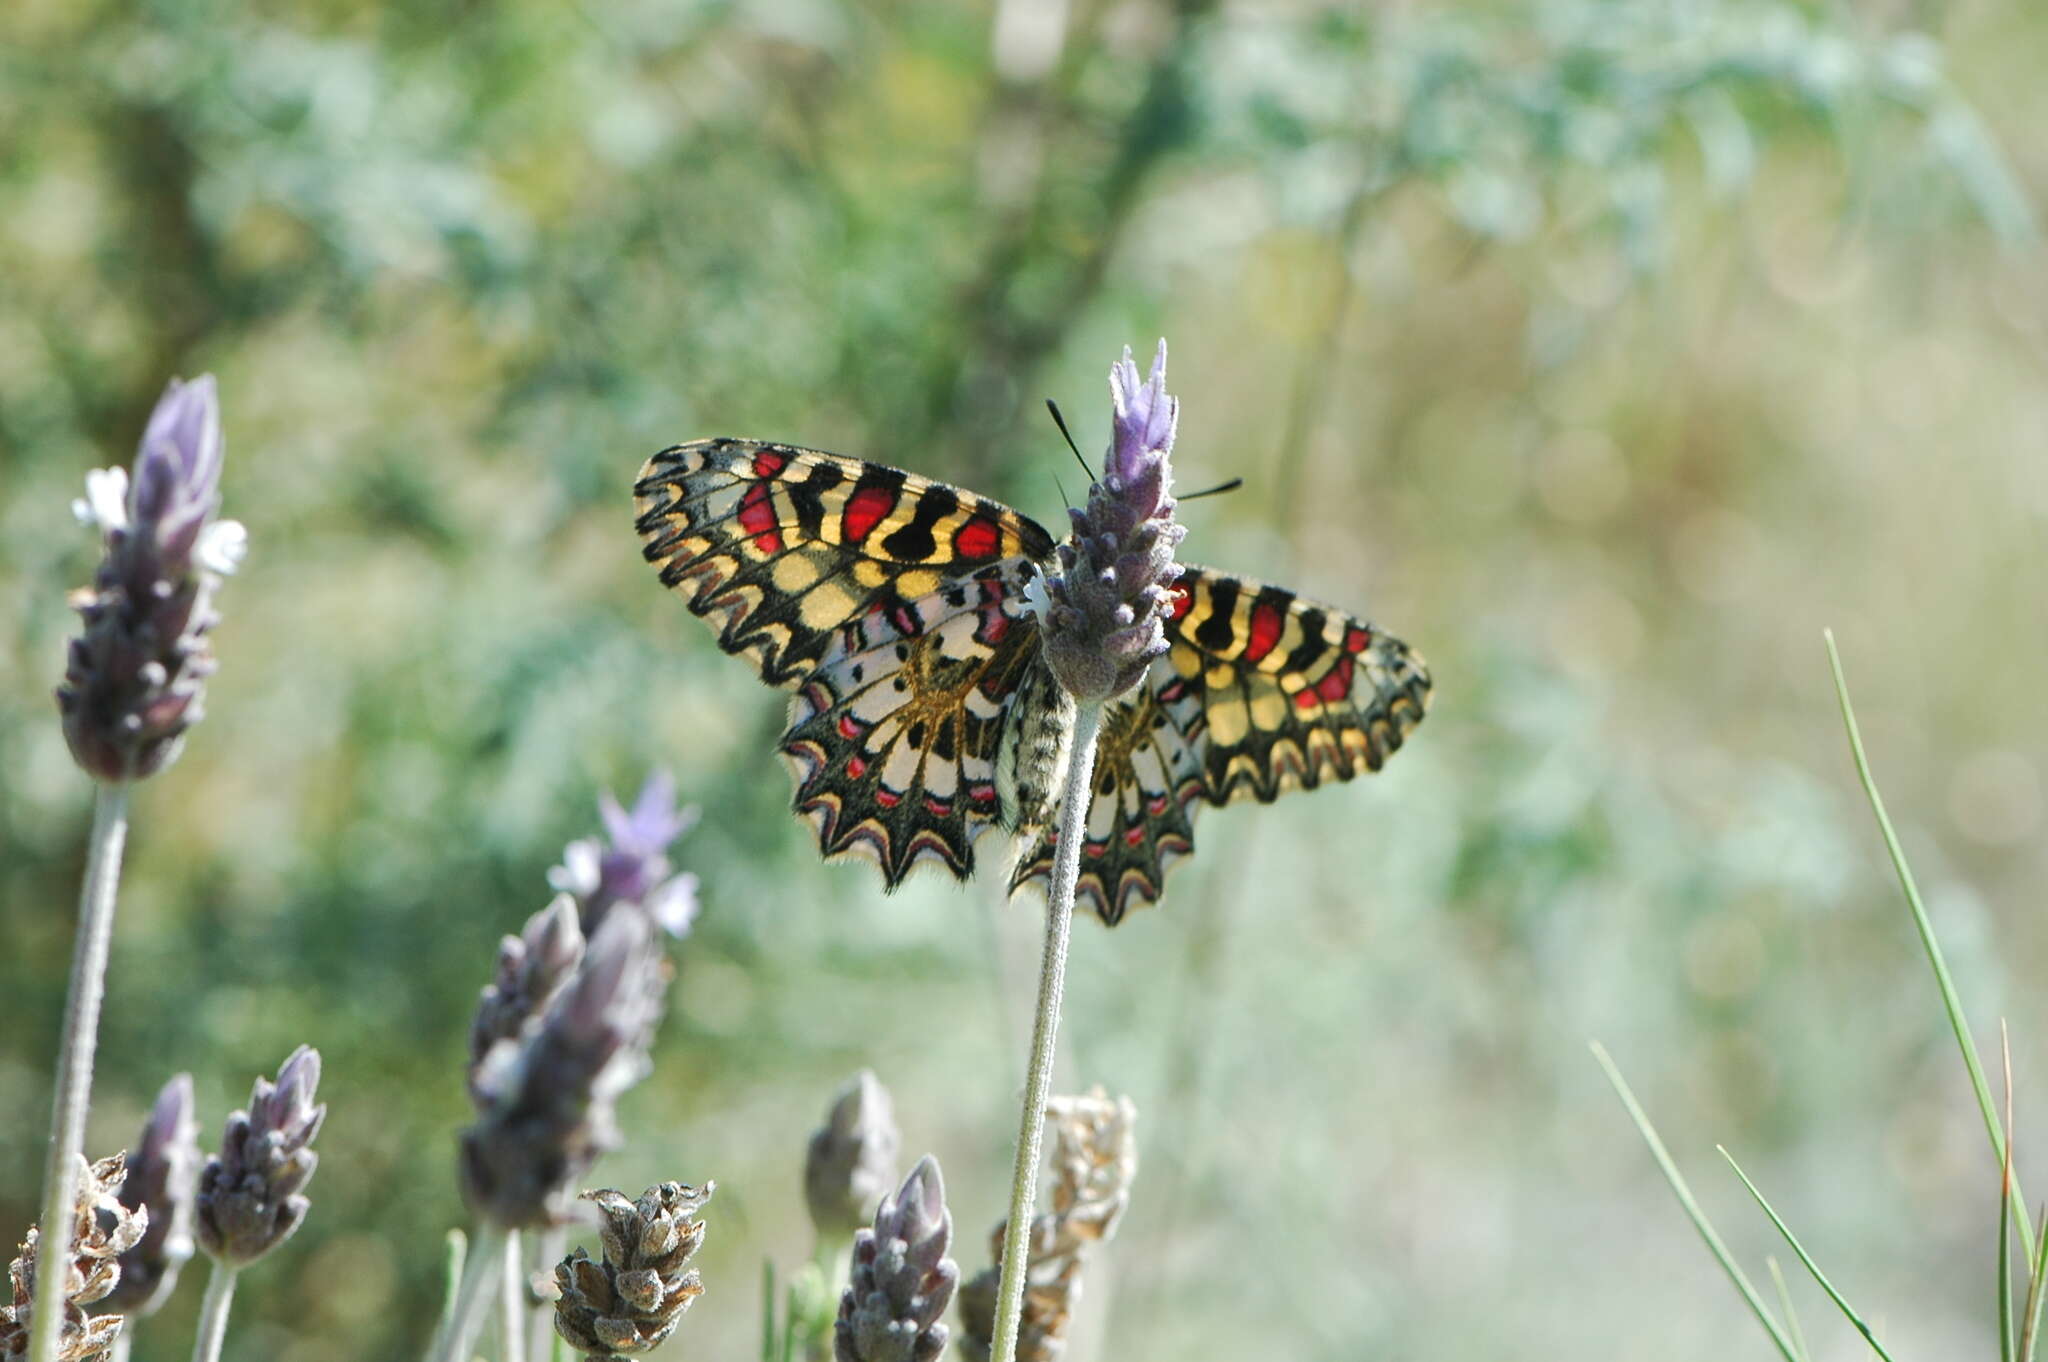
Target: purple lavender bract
x=135 y=677
x=1105 y=608
x=901 y=1280
x=163 y=1177
x=633 y=865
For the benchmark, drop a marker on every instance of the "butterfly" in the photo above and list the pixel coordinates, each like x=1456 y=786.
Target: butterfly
x=922 y=711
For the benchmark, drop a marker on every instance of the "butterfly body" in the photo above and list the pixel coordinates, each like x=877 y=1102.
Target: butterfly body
x=923 y=713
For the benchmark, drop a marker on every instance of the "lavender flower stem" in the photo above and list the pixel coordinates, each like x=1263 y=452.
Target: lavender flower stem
x=511 y=1317
x=213 y=1312
x=1052 y=976
x=457 y=1338
x=74 y=1059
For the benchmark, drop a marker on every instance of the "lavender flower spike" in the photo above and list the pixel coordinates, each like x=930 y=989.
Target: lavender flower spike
x=163 y=1178
x=851 y=1162
x=545 y=1100
x=135 y=676
x=250 y=1197
x=633 y=867
x=532 y=968
x=1105 y=608
x=902 y=1279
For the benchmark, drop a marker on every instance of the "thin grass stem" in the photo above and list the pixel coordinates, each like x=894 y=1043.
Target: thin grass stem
x=2032 y=1330
x=1059 y=917
x=1791 y=1315
x=213 y=1313
x=80 y=1037
x=1692 y=1207
x=1925 y=925
x=456 y=1338
x=1806 y=1259
x=2005 y=1334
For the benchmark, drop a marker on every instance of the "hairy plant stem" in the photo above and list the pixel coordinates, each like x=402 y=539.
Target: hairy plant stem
x=456 y=1338
x=1052 y=975
x=512 y=1301
x=213 y=1313
x=95 y=934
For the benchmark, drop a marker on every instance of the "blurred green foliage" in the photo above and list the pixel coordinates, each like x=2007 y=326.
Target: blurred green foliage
x=1605 y=351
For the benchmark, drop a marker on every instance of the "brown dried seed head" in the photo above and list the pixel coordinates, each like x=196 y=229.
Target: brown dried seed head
x=633 y=1299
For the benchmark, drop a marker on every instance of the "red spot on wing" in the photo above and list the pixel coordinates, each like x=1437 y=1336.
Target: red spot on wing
x=994 y=624
x=937 y=807
x=849 y=727
x=757 y=518
x=856 y=768
x=888 y=799
x=865 y=509
x=1156 y=805
x=767 y=463
x=1266 y=624
x=980 y=537
x=1337 y=684
x=1134 y=834
x=982 y=794
x=1306 y=698
x=1357 y=639
x=1180 y=599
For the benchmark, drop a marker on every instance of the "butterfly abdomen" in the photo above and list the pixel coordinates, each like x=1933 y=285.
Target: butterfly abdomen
x=1031 y=756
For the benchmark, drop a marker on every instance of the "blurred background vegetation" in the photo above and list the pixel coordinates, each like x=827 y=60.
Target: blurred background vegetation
x=1606 y=351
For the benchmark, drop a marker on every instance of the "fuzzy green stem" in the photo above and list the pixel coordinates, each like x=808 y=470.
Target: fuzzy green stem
x=1052 y=976
x=512 y=1315
x=213 y=1313
x=456 y=1339
x=74 y=1062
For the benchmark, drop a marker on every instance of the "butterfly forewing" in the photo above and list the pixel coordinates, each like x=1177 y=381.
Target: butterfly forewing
x=891 y=604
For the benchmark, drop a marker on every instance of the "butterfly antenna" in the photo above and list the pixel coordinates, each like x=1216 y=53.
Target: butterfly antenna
x=1061 y=422
x=1218 y=490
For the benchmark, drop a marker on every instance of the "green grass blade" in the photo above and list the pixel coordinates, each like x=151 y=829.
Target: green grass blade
x=2005 y=1268
x=767 y=1310
x=1949 y=999
x=2034 y=1293
x=1791 y=1315
x=1805 y=1258
x=1692 y=1207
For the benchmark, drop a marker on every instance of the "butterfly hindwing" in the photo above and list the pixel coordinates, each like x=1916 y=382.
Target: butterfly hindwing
x=1260 y=692
x=893 y=607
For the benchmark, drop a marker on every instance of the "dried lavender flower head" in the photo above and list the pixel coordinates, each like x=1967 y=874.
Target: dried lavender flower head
x=1094 y=1159
x=545 y=1100
x=851 y=1163
x=102 y=1229
x=901 y=1279
x=250 y=1194
x=630 y=863
x=135 y=676
x=1104 y=610
x=632 y=1300
x=163 y=1180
